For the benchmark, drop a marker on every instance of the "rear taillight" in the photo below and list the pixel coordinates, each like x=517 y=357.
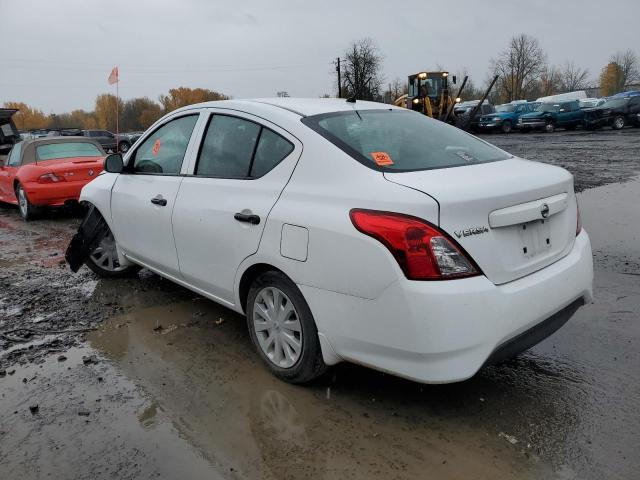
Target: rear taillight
x=422 y=250
x=579 y=220
x=50 y=178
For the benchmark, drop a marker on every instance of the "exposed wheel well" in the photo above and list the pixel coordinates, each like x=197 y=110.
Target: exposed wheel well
x=249 y=276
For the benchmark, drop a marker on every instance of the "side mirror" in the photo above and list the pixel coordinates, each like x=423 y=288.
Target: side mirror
x=113 y=163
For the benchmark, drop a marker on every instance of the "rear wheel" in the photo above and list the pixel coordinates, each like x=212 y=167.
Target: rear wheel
x=104 y=260
x=282 y=329
x=618 y=123
x=506 y=126
x=26 y=208
x=124 y=147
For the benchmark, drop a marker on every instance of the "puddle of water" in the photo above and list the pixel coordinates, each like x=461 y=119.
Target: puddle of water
x=204 y=378
x=90 y=422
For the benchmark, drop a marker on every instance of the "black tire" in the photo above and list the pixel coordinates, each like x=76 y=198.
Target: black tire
x=28 y=210
x=618 y=122
x=104 y=268
x=124 y=146
x=549 y=127
x=506 y=126
x=310 y=364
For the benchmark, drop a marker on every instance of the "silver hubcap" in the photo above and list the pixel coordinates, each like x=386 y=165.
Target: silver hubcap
x=619 y=123
x=105 y=255
x=22 y=202
x=277 y=326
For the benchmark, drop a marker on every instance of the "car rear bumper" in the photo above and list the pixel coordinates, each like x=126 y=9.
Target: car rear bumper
x=53 y=194
x=440 y=332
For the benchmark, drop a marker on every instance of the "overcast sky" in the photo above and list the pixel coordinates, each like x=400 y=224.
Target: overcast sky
x=57 y=54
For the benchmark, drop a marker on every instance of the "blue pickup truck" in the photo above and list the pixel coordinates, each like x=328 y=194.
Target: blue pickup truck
x=549 y=116
x=506 y=116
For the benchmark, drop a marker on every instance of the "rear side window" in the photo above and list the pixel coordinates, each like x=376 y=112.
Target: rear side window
x=401 y=140
x=67 y=150
x=163 y=151
x=272 y=149
x=237 y=148
x=14 y=156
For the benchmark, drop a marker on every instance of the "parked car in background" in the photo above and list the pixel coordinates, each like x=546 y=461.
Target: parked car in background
x=333 y=226
x=549 y=116
x=464 y=110
x=616 y=112
x=105 y=138
x=506 y=116
x=591 y=102
x=47 y=172
x=563 y=97
x=127 y=139
x=9 y=134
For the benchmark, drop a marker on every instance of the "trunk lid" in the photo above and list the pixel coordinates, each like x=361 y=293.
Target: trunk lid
x=74 y=169
x=513 y=217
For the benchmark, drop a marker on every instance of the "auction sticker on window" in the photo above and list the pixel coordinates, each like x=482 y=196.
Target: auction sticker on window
x=382 y=158
x=156 y=148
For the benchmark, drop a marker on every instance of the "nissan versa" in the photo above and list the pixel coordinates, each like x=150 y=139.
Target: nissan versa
x=346 y=231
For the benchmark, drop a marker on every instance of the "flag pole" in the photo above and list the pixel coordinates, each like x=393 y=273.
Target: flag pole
x=117 y=111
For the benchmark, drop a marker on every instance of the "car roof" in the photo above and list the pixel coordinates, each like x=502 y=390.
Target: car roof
x=300 y=106
x=29 y=146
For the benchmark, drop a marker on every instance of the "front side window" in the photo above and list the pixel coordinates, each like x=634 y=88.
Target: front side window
x=163 y=151
x=14 y=156
x=67 y=150
x=401 y=140
x=238 y=148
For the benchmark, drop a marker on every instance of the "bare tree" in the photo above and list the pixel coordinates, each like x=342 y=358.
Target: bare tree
x=362 y=76
x=629 y=66
x=550 y=81
x=573 y=78
x=395 y=89
x=519 y=67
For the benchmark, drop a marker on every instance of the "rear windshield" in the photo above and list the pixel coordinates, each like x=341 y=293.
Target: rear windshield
x=401 y=140
x=67 y=150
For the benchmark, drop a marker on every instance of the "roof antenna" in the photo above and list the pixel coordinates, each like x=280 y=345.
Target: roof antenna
x=351 y=99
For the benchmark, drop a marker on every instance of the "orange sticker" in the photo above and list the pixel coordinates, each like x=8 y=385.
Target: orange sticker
x=156 y=148
x=382 y=158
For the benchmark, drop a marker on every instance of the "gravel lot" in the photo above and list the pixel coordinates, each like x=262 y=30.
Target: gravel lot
x=140 y=378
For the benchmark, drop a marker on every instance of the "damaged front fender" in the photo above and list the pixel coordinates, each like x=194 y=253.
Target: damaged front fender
x=92 y=230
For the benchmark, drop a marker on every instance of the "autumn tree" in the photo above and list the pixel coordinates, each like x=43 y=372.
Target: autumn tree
x=75 y=119
x=611 y=79
x=139 y=114
x=519 y=67
x=107 y=108
x=362 y=72
x=629 y=67
x=183 y=96
x=27 y=118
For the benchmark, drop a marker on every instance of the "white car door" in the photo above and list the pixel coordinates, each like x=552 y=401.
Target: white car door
x=144 y=195
x=242 y=166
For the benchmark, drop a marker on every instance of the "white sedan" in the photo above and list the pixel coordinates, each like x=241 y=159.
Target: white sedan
x=346 y=231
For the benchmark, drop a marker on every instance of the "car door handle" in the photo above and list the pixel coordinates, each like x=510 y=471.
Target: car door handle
x=158 y=200
x=247 y=217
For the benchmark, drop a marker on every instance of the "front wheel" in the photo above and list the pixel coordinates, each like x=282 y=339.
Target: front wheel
x=506 y=126
x=618 y=123
x=549 y=127
x=26 y=208
x=104 y=260
x=282 y=329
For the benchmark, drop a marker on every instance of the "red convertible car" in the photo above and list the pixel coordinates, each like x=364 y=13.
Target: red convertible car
x=48 y=172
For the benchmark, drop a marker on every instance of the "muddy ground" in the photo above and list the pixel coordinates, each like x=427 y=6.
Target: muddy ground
x=164 y=384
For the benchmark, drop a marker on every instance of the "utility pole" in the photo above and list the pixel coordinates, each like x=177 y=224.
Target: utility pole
x=339 y=78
